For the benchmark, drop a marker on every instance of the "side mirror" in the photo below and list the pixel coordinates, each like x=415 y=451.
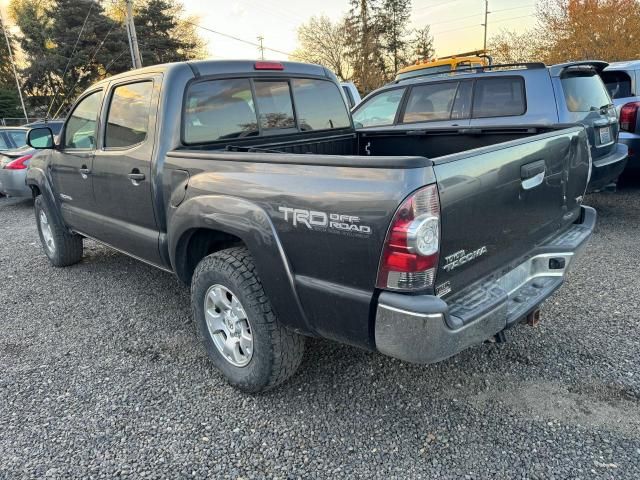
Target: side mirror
x=40 y=138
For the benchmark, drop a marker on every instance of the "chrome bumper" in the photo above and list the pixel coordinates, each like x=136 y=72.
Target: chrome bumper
x=427 y=329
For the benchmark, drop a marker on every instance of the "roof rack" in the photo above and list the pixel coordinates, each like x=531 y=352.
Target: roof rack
x=483 y=68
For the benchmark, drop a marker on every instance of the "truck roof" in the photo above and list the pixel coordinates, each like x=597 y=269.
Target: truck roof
x=221 y=67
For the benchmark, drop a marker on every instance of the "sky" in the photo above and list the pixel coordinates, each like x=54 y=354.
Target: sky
x=455 y=24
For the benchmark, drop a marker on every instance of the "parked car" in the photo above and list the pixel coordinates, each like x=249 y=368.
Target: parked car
x=351 y=94
x=13 y=171
x=621 y=80
x=508 y=99
x=284 y=225
x=12 y=138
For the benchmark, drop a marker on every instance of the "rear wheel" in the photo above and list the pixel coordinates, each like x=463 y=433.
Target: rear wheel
x=61 y=247
x=238 y=326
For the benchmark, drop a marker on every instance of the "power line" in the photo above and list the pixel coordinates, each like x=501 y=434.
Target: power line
x=427 y=7
x=73 y=51
x=248 y=42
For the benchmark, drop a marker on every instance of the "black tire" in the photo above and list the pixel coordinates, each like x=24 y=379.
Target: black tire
x=67 y=247
x=277 y=351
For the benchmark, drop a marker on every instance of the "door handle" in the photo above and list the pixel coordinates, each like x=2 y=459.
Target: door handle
x=84 y=171
x=136 y=177
x=532 y=174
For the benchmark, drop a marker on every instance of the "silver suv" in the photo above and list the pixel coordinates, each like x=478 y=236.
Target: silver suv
x=622 y=80
x=499 y=100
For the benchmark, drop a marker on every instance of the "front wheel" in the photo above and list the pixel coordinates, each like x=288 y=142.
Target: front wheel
x=239 y=328
x=61 y=247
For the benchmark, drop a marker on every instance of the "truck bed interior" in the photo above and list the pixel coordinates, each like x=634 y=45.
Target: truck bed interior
x=429 y=143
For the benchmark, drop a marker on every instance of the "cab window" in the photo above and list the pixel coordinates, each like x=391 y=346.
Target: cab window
x=81 y=126
x=128 y=117
x=219 y=109
x=379 y=110
x=319 y=105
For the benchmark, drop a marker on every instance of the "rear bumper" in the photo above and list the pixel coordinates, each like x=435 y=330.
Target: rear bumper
x=607 y=169
x=12 y=183
x=427 y=329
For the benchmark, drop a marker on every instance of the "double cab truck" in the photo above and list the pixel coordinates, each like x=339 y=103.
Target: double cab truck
x=248 y=181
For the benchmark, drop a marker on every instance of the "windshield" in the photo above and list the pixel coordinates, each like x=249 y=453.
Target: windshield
x=424 y=71
x=584 y=91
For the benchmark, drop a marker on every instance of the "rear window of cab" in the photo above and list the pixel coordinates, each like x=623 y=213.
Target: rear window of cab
x=236 y=108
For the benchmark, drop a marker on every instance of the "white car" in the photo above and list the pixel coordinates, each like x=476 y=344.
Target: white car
x=351 y=94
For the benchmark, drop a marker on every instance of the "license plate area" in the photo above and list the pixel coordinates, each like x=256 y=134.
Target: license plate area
x=604 y=134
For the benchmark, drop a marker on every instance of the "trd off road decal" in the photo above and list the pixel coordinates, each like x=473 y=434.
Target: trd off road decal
x=324 y=221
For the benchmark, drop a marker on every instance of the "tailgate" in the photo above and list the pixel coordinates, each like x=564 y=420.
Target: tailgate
x=499 y=202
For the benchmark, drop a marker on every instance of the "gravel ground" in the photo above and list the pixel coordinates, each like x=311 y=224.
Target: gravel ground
x=102 y=376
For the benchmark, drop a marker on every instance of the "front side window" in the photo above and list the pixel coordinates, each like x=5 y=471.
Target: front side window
x=584 y=91
x=319 y=105
x=219 y=109
x=274 y=104
x=81 y=126
x=128 y=117
x=379 y=110
x=499 y=97
x=430 y=102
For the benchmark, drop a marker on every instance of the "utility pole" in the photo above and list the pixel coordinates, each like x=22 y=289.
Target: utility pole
x=13 y=65
x=136 y=60
x=261 y=47
x=486 y=14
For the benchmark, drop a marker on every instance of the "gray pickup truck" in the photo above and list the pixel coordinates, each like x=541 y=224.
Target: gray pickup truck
x=248 y=181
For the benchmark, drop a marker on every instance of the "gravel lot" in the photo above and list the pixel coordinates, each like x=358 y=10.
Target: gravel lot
x=102 y=376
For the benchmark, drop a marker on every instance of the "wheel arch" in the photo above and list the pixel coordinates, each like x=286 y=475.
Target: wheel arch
x=203 y=225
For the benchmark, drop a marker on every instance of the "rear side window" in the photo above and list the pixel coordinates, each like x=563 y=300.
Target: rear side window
x=379 y=110
x=219 y=109
x=584 y=91
x=499 y=97
x=274 y=104
x=19 y=137
x=618 y=84
x=319 y=105
x=128 y=117
x=430 y=102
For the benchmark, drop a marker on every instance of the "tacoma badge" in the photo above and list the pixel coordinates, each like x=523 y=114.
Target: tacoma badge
x=461 y=257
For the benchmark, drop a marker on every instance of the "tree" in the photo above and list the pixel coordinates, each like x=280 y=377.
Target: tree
x=588 y=29
x=68 y=45
x=324 y=42
x=422 y=44
x=363 y=46
x=393 y=21
x=9 y=99
x=163 y=34
x=513 y=47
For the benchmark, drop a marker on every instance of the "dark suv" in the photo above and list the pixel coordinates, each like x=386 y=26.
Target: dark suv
x=505 y=99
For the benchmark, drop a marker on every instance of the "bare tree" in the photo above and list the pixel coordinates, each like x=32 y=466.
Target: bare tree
x=324 y=42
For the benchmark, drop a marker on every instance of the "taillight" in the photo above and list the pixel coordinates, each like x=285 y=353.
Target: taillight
x=18 y=163
x=268 y=66
x=410 y=255
x=628 y=116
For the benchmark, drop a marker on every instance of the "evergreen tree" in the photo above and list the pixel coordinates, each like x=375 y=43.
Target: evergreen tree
x=394 y=18
x=422 y=44
x=69 y=44
x=162 y=36
x=9 y=100
x=363 y=44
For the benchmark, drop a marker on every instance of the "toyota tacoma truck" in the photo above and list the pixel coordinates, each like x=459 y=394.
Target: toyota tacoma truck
x=248 y=181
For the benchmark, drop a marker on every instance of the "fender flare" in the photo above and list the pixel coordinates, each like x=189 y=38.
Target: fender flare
x=250 y=223
x=36 y=177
